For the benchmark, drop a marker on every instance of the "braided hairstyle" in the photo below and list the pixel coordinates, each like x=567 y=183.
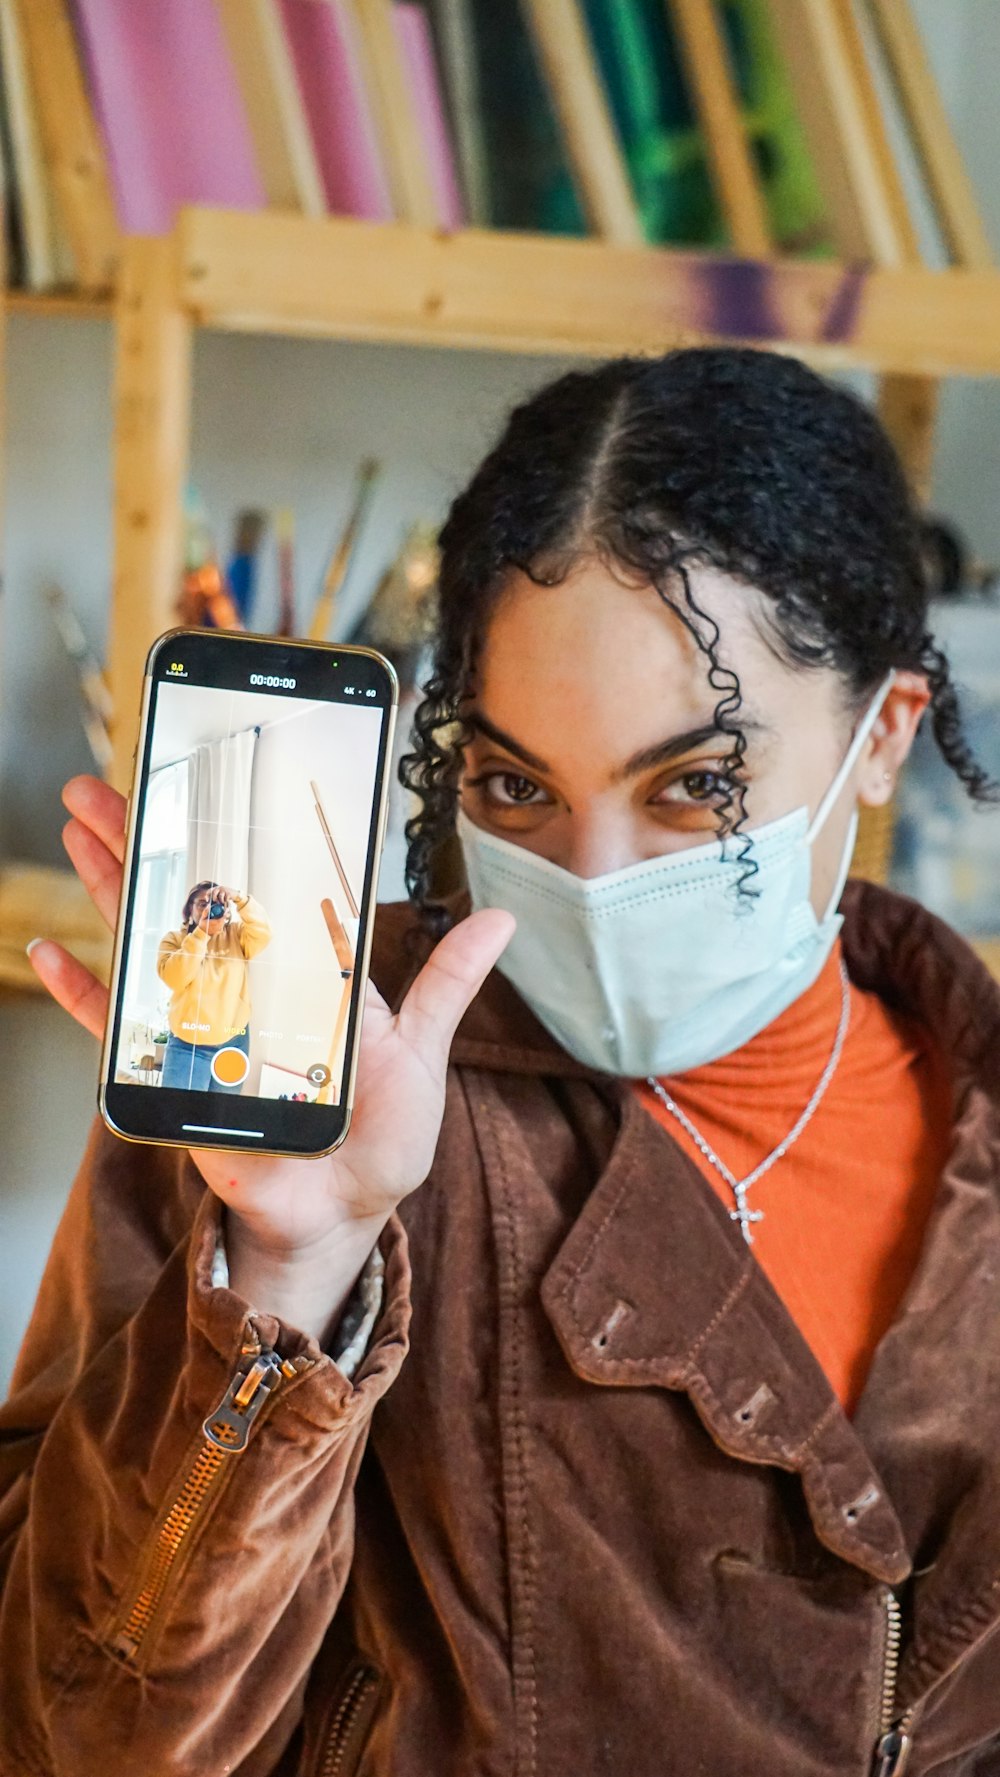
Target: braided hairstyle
x=738 y=459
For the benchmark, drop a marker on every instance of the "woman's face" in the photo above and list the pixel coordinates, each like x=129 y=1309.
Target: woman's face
x=595 y=743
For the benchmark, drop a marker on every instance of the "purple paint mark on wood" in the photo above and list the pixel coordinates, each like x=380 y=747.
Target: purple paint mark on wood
x=842 y=315
x=739 y=298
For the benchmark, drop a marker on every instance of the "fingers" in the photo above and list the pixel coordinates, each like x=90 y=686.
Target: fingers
x=99 y=870
x=450 y=979
x=97 y=806
x=71 y=985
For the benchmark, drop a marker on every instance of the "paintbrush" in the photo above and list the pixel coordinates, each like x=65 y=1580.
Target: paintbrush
x=340 y=560
x=284 y=527
x=96 y=710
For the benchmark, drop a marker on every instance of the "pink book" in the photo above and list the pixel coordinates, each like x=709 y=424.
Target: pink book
x=336 y=101
x=169 y=108
x=413 y=33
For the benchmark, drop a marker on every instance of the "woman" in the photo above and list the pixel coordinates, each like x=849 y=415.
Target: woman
x=205 y=966
x=659 y=1487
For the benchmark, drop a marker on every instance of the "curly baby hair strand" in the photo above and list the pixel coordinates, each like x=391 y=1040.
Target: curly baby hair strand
x=743 y=460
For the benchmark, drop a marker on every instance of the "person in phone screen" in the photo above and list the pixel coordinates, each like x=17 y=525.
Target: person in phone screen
x=205 y=965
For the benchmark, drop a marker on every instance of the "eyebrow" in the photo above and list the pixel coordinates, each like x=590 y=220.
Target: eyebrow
x=674 y=747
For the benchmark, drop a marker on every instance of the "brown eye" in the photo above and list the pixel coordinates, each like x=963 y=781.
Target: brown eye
x=508 y=790
x=706 y=786
x=515 y=788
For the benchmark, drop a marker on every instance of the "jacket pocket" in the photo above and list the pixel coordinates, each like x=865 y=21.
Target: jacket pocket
x=349 y=1723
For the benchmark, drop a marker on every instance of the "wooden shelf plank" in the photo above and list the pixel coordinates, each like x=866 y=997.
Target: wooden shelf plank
x=593 y=150
x=152 y=406
x=61 y=303
x=73 y=147
x=44 y=901
x=702 y=43
x=949 y=184
x=340 y=278
x=393 y=101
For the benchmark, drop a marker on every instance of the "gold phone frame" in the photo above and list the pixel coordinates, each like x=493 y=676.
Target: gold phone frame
x=367 y=910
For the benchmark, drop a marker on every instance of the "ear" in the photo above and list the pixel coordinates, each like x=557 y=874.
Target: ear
x=891 y=738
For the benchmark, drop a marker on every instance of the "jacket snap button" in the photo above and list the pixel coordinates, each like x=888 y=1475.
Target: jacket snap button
x=853 y=1511
x=751 y=1408
x=607 y=1327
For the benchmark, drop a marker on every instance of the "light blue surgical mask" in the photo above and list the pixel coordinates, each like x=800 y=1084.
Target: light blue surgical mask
x=665 y=965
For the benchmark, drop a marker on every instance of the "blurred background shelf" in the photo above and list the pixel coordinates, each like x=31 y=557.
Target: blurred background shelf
x=527 y=184
x=71 y=304
x=39 y=900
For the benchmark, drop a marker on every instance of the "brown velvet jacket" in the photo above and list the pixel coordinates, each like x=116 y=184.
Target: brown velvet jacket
x=607 y=1517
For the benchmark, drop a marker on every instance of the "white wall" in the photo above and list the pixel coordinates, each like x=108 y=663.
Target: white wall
x=295 y=984
x=281 y=422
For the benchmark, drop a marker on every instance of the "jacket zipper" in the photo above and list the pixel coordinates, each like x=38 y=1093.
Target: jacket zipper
x=361 y=1685
x=892 y=1750
x=227 y=1431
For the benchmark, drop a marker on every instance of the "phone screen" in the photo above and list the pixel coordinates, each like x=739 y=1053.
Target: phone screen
x=251 y=875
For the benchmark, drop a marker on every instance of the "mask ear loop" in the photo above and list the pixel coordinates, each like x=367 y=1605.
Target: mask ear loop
x=861 y=734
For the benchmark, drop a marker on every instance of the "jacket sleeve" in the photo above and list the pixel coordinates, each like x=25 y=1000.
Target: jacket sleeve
x=349 y=1339
x=178 y=958
x=176 y=1489
x=255 y=929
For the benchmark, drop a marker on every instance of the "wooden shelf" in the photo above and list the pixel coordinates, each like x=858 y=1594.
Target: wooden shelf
x=62 y=303
x=44 y=901
x=338 y=278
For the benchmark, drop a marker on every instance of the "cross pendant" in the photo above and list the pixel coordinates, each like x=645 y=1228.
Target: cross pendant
x=745 y=1216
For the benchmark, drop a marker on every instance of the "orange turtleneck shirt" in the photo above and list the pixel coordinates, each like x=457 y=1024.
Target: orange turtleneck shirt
x=845 y=1209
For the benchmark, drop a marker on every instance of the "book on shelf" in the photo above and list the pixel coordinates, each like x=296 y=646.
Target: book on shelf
x=279 y=125
x=41 y=252
x=441 y=112
x=327 y=57
x=170 y=110
x=454 y=42
x=416 y=43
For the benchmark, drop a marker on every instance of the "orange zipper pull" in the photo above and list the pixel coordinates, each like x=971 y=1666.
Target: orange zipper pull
x=228 y=1428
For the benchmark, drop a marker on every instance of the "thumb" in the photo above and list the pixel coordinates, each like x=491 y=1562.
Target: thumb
x=450 y=979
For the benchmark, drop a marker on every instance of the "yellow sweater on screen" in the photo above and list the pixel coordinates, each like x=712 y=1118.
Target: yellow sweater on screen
x=208 y=977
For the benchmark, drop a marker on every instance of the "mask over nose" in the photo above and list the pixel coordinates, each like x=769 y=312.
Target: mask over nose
x=666 y=964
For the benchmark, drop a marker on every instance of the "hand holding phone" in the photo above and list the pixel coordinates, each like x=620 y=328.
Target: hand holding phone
x=298 y=1230
x=260 y=761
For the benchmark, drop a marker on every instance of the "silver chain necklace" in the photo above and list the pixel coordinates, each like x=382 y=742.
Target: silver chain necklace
x=740 y=1187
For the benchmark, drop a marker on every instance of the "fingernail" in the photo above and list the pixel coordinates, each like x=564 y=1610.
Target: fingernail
x=30 y=947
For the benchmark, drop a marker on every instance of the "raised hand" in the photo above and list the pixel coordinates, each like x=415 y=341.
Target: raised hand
x=298 y=1229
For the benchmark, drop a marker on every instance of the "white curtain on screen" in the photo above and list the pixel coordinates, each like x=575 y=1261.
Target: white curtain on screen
x=220 y=775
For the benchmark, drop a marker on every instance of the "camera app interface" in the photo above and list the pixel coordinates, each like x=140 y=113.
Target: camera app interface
x=250 y=878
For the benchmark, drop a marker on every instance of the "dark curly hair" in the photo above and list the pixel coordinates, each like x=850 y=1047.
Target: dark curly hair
x=743 y=460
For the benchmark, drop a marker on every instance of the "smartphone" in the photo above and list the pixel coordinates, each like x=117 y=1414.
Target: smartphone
x=255 y=825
